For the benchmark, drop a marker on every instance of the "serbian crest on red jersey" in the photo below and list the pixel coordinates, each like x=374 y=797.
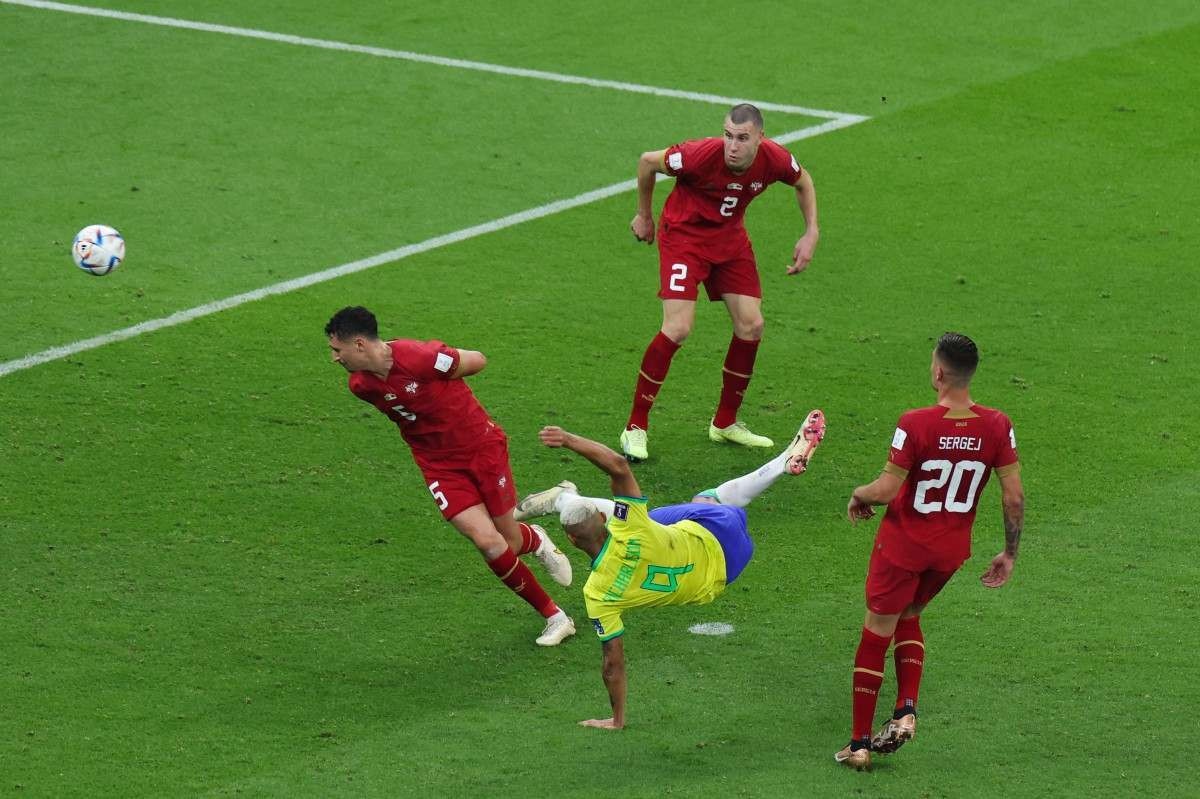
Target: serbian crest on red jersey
x=411 y=387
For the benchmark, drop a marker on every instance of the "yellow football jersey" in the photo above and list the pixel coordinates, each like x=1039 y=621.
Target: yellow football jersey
x=644 y=563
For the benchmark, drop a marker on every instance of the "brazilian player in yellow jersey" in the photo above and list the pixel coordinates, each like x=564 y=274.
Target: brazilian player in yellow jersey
x=643 y=563
x=674 y=555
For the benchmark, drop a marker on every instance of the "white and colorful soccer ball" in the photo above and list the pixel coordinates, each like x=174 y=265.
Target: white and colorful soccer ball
x=98 y=249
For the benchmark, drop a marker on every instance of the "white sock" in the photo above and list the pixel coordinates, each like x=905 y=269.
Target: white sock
x=605 y=506
x=740 y=491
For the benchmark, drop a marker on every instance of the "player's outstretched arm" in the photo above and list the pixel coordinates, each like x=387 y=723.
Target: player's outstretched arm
x=806 y=196
x=649 y=165
x=1012 y=499
x=882 y=490
x=470 y=362
x=613 y=671
x=624 y=484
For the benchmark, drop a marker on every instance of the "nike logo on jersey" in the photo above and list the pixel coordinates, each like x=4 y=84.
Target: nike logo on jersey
x=734 y=187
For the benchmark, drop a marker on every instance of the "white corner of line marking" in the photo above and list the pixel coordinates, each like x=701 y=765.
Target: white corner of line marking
x=423 y=58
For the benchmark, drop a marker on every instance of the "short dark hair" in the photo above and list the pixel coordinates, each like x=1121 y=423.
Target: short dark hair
x=353 y=321
x=744 y=112
x=958 y=355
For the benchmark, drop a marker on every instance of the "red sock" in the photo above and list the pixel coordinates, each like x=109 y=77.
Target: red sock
x=516 y=575
x=735 y=377
x=868 y=676
x=909 y=655
x=655 y=364
x=529 y=539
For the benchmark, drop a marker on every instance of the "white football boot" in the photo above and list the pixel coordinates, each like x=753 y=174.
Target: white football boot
x=559 y=627
x=542 y=502
x=811 y=433
x=552 y=557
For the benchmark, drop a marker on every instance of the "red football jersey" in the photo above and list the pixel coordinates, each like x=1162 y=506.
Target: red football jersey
x=708 y=198
x=438 y=416
x=945 y=458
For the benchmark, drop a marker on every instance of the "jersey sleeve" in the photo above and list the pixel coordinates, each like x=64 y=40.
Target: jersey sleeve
x=786 y=169
x=1006 y=456
x=432 y=360
x=684 y=159
x=903 y=452
x=629 y=513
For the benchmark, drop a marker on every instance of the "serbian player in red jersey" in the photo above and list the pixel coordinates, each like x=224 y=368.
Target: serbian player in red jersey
x=701 y=239
x=462 y=453
x=940 y=460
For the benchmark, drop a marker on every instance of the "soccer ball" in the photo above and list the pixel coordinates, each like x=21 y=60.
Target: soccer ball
x=98 y=249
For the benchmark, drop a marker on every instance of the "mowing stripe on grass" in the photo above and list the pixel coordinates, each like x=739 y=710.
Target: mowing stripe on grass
x=404 y=55
x=391 y=256
x=836 y=121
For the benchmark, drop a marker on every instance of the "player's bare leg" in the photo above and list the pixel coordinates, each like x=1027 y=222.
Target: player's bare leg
x=745 y=312
x=480 y=528
x=678 y=317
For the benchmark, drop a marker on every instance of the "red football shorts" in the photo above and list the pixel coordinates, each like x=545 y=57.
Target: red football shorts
x=684 y=262
x=483 y=477
x=891 y=589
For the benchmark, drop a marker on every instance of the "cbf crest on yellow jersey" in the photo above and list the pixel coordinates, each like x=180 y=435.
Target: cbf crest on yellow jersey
x=644 y=563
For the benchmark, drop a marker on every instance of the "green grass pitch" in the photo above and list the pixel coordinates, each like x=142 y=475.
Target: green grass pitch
x=223 y=576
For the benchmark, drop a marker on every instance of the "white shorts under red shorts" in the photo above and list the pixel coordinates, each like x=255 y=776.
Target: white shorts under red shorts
x=684 y=262
x=484 y=477
x=891 y=589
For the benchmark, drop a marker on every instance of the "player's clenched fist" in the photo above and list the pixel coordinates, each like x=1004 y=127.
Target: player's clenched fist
x=643 y=228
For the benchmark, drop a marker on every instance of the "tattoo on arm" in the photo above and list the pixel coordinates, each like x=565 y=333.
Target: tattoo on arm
x=1014 y=521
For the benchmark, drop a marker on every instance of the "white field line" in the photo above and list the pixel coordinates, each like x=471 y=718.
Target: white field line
x=836 y=121
x=404 y=55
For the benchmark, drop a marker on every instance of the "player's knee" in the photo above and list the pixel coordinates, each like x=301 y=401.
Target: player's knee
x=677 y=330
x=490 y=543
x=750 y=329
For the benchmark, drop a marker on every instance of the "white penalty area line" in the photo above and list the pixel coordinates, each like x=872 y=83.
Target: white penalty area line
x=835 y=121
x=286 y=286
x=422 y=58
